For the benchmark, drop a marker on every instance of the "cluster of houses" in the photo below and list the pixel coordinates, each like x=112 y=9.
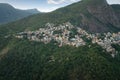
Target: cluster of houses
x=106 y=40
x=67 y=34
x=62 y=34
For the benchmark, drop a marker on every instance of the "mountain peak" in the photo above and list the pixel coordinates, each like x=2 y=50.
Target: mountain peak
x=34 y=10
x=95 y=2
x=8 y=13
x=5 y=5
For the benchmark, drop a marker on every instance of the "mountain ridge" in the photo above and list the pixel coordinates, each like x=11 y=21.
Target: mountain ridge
x=93 y=19
x=9 y=13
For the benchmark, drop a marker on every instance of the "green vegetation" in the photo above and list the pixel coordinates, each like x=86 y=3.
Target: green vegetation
x=116 y=7
x=21 y=59
x=57 y=32
x=26 y=60
x=76 y=13
x=117 y=47
x=73 y=32
x=9 y=13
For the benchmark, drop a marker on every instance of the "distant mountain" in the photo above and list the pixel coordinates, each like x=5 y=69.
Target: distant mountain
x=8 y=13
x=33 y=11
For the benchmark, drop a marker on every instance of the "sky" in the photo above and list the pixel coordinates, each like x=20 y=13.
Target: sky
x=44 y=5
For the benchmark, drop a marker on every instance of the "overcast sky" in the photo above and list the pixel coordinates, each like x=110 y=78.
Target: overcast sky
x=45 y=5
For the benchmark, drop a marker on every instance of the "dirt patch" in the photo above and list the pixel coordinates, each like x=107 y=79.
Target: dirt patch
x=4 y=52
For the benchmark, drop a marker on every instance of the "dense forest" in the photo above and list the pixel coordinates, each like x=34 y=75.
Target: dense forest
x=25 y=60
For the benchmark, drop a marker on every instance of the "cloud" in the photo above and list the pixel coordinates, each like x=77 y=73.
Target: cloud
x=48 y=9
x=60 y=1
x=55 y=1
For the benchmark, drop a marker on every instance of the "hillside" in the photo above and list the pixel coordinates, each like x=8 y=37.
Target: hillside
x=26 y=60
x=9 y=13
x=116 y=8
x=97 y=18
x=30 y=48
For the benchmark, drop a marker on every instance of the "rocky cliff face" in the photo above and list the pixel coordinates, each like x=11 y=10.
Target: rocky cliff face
x=103 y=16
x=104 y=13
x=116 y=8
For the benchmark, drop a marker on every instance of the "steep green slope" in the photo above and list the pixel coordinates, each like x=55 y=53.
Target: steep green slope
x=98 y=18
x=9 y=13
x=116 y=7
x=27 y=60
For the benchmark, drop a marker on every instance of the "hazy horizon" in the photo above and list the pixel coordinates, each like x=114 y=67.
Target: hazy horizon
x=44 y=5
